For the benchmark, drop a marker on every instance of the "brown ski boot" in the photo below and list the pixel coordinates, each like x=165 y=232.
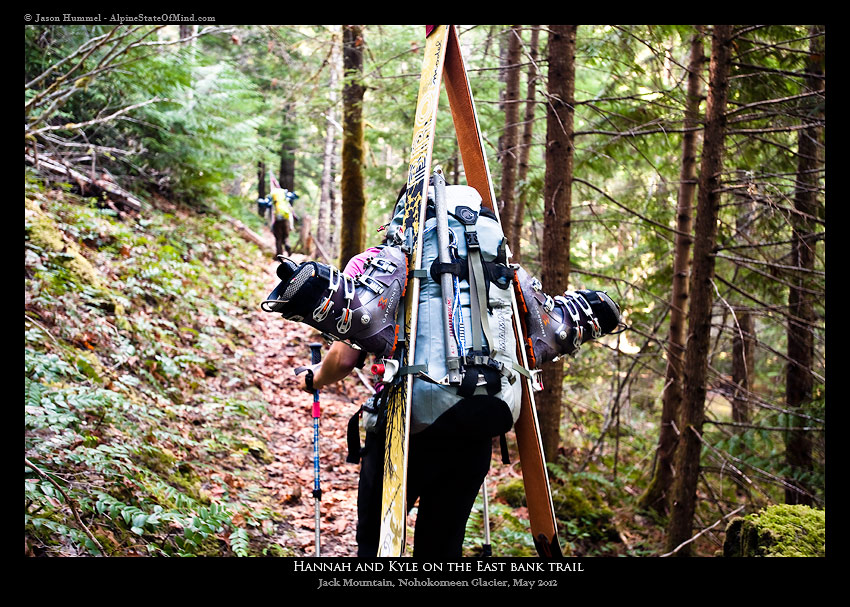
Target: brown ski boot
x=559 y=325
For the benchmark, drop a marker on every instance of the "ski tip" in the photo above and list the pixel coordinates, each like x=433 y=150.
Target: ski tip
x=429 y=29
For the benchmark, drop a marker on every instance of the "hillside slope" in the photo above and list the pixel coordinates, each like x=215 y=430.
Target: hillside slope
x=161 y=413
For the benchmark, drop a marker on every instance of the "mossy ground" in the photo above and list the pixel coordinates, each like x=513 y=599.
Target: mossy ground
x=781 y=530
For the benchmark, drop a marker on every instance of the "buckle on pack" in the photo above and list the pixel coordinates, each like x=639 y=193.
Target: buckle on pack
x=476 y=359
x=495 y=364
x=536 y=380
x=395 y=236
x=407 y=241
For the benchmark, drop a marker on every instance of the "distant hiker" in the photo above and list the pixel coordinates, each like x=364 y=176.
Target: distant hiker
x=452 y=426
x=281 y=201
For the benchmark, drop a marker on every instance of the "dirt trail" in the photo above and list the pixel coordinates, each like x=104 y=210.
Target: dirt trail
x=280 y=346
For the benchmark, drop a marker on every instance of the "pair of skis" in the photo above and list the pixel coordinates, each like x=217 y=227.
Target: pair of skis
x=443 y=61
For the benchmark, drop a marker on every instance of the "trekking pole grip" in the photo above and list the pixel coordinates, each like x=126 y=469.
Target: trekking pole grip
x=315 y=353
x=315 y=358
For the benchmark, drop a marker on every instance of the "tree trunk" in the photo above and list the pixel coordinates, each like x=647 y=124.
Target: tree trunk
x=326 y=200
x=455 y=163
x=555 y=253
x=261 y=179
x=509 y=139
x=798 y=382
x=695 y=370
x=287 y=148
x=743 y=331
x=525 y=146
x=336 y=209
x=352 y=239
x=743 y=345
x=656 y=495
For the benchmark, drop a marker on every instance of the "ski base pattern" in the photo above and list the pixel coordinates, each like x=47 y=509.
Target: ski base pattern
x=394 y=499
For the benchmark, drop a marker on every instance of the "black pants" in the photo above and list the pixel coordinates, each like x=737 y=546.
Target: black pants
x=280 y=229
x=444 y=472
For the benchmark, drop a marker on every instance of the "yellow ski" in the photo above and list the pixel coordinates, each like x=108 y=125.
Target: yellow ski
x=394 y=507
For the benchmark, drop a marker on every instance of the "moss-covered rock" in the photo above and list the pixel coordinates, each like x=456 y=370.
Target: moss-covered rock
x=257 y=448
x=780 y=530
x=45 y=233
x=513 y=492
x=174 y=471
x=585 y=514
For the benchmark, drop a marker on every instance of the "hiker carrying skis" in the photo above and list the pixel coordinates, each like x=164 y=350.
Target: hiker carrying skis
x=452 y=426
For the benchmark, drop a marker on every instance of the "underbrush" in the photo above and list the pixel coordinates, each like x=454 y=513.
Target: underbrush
x=135 y=332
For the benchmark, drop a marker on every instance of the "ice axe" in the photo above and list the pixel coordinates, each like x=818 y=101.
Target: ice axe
x=315 y=359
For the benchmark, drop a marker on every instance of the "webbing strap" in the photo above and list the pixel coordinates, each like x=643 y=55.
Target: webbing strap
x=413 y=369
x=478 y=293
x=477 y=340
x=470 y=380
x=503 y=444
x=352 y=437
x=522 y=370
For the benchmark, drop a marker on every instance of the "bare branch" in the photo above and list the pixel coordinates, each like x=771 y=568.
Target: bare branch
x=627 y=209
x=763 y=102
x=709 y=528
x=78 y=125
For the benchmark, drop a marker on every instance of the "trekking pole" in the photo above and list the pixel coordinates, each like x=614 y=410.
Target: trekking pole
x=315 y=359
x=487 y=549
x=446 y=282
